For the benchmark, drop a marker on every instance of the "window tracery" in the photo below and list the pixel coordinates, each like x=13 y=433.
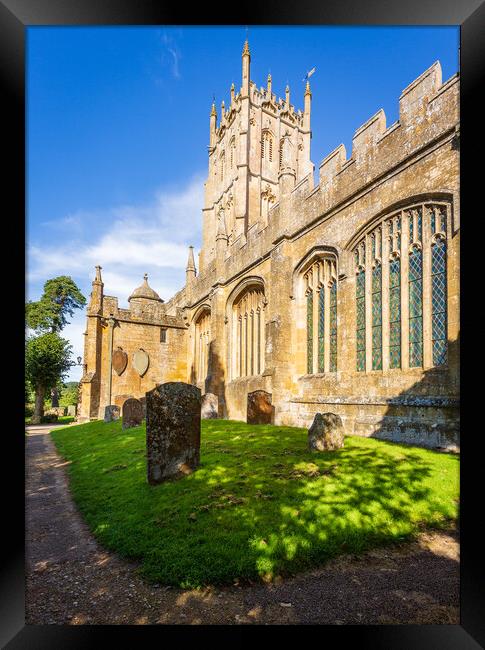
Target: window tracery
x=410 y=297
x=267 y=146
x=248 y=348
x=202 y=342
x=320 y=282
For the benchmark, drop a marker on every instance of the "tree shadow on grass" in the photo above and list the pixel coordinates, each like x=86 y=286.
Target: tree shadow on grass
x=260 y=504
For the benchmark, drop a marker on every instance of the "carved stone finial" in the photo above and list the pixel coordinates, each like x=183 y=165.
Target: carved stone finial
x=246 y=48
x=213 y=110
x=190 y=261
x=98 y=273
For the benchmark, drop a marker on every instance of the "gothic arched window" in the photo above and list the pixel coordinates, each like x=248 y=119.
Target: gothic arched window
x=222 y=163
x=320 y=282
x=410 y=264
x=438 y=301
x=202 y=342
x=360 y=306
x=248 y=332
x=415 y=307
x=267 y=146
x=232 y=150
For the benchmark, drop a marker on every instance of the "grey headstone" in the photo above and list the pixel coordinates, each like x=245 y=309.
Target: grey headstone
x=259 y=409
x=326 y=432
x=210 y=405
x=71 y=410
x=132 y=413
x=111 y=413
x=173 y=431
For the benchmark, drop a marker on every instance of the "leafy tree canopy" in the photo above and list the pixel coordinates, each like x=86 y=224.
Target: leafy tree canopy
x=47 y=358
x=69 y=393
x=60 y=298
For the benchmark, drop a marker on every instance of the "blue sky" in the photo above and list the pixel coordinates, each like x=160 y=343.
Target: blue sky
x=118 y=128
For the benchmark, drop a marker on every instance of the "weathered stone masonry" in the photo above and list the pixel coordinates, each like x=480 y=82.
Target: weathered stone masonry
x=339 y=297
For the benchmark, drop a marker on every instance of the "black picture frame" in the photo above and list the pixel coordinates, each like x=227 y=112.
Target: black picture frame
x=15 y=17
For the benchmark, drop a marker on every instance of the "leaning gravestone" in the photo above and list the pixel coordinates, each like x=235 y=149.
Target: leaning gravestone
x=132 y=413
x=259 y=409
x=326 y=432
x=71 y=410
x=209 y=408
x=111 y=413
x=173 y=431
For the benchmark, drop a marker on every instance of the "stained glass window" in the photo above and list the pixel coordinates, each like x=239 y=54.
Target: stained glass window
x=438 y=302
x=360 y=300
x=377 y=318
x=309 y=327
x=415 y=308
x=321 y=330
x=395 y=313
x=333 y=327
x=420 y=225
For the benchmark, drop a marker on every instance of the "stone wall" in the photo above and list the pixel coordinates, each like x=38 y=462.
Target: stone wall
x=413 y=161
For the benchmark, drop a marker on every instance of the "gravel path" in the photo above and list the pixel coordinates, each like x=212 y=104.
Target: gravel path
x=70 y=579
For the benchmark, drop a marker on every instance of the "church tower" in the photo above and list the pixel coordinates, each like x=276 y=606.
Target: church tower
x=258 y=151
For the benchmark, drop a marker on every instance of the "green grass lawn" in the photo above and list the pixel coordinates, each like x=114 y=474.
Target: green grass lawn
x=259 y=505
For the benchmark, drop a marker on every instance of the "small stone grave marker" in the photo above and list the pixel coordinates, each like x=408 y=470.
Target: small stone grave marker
x=326 y=432
x=111 y=413
x=132 y=413
x=210 y=405
x=259 y=409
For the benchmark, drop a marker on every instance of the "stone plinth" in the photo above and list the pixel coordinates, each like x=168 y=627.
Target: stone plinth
x=326 y=432
x=132 y=413
x=210 y=405
x=173 y=431
x=259 y=408
x=111 y=413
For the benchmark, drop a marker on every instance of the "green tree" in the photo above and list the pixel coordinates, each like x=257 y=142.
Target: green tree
x=69 y=393
x=47 y=358
x=49 y=314
x=60 y=298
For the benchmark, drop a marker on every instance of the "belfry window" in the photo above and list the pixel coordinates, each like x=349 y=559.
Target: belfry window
x=232 y=150
x=248 y=332
x=267 y=146
x=321 y=315
x=222 y=163
x=414 y=293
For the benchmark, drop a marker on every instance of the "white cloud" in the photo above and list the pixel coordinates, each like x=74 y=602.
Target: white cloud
x=149 y=238
x=172 y=53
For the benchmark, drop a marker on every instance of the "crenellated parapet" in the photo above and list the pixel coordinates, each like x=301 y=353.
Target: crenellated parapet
x=428 y=112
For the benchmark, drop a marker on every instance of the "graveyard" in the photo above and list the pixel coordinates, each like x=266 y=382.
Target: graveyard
x=259 y=506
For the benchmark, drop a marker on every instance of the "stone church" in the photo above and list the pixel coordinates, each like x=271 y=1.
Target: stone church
x=340 y=295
